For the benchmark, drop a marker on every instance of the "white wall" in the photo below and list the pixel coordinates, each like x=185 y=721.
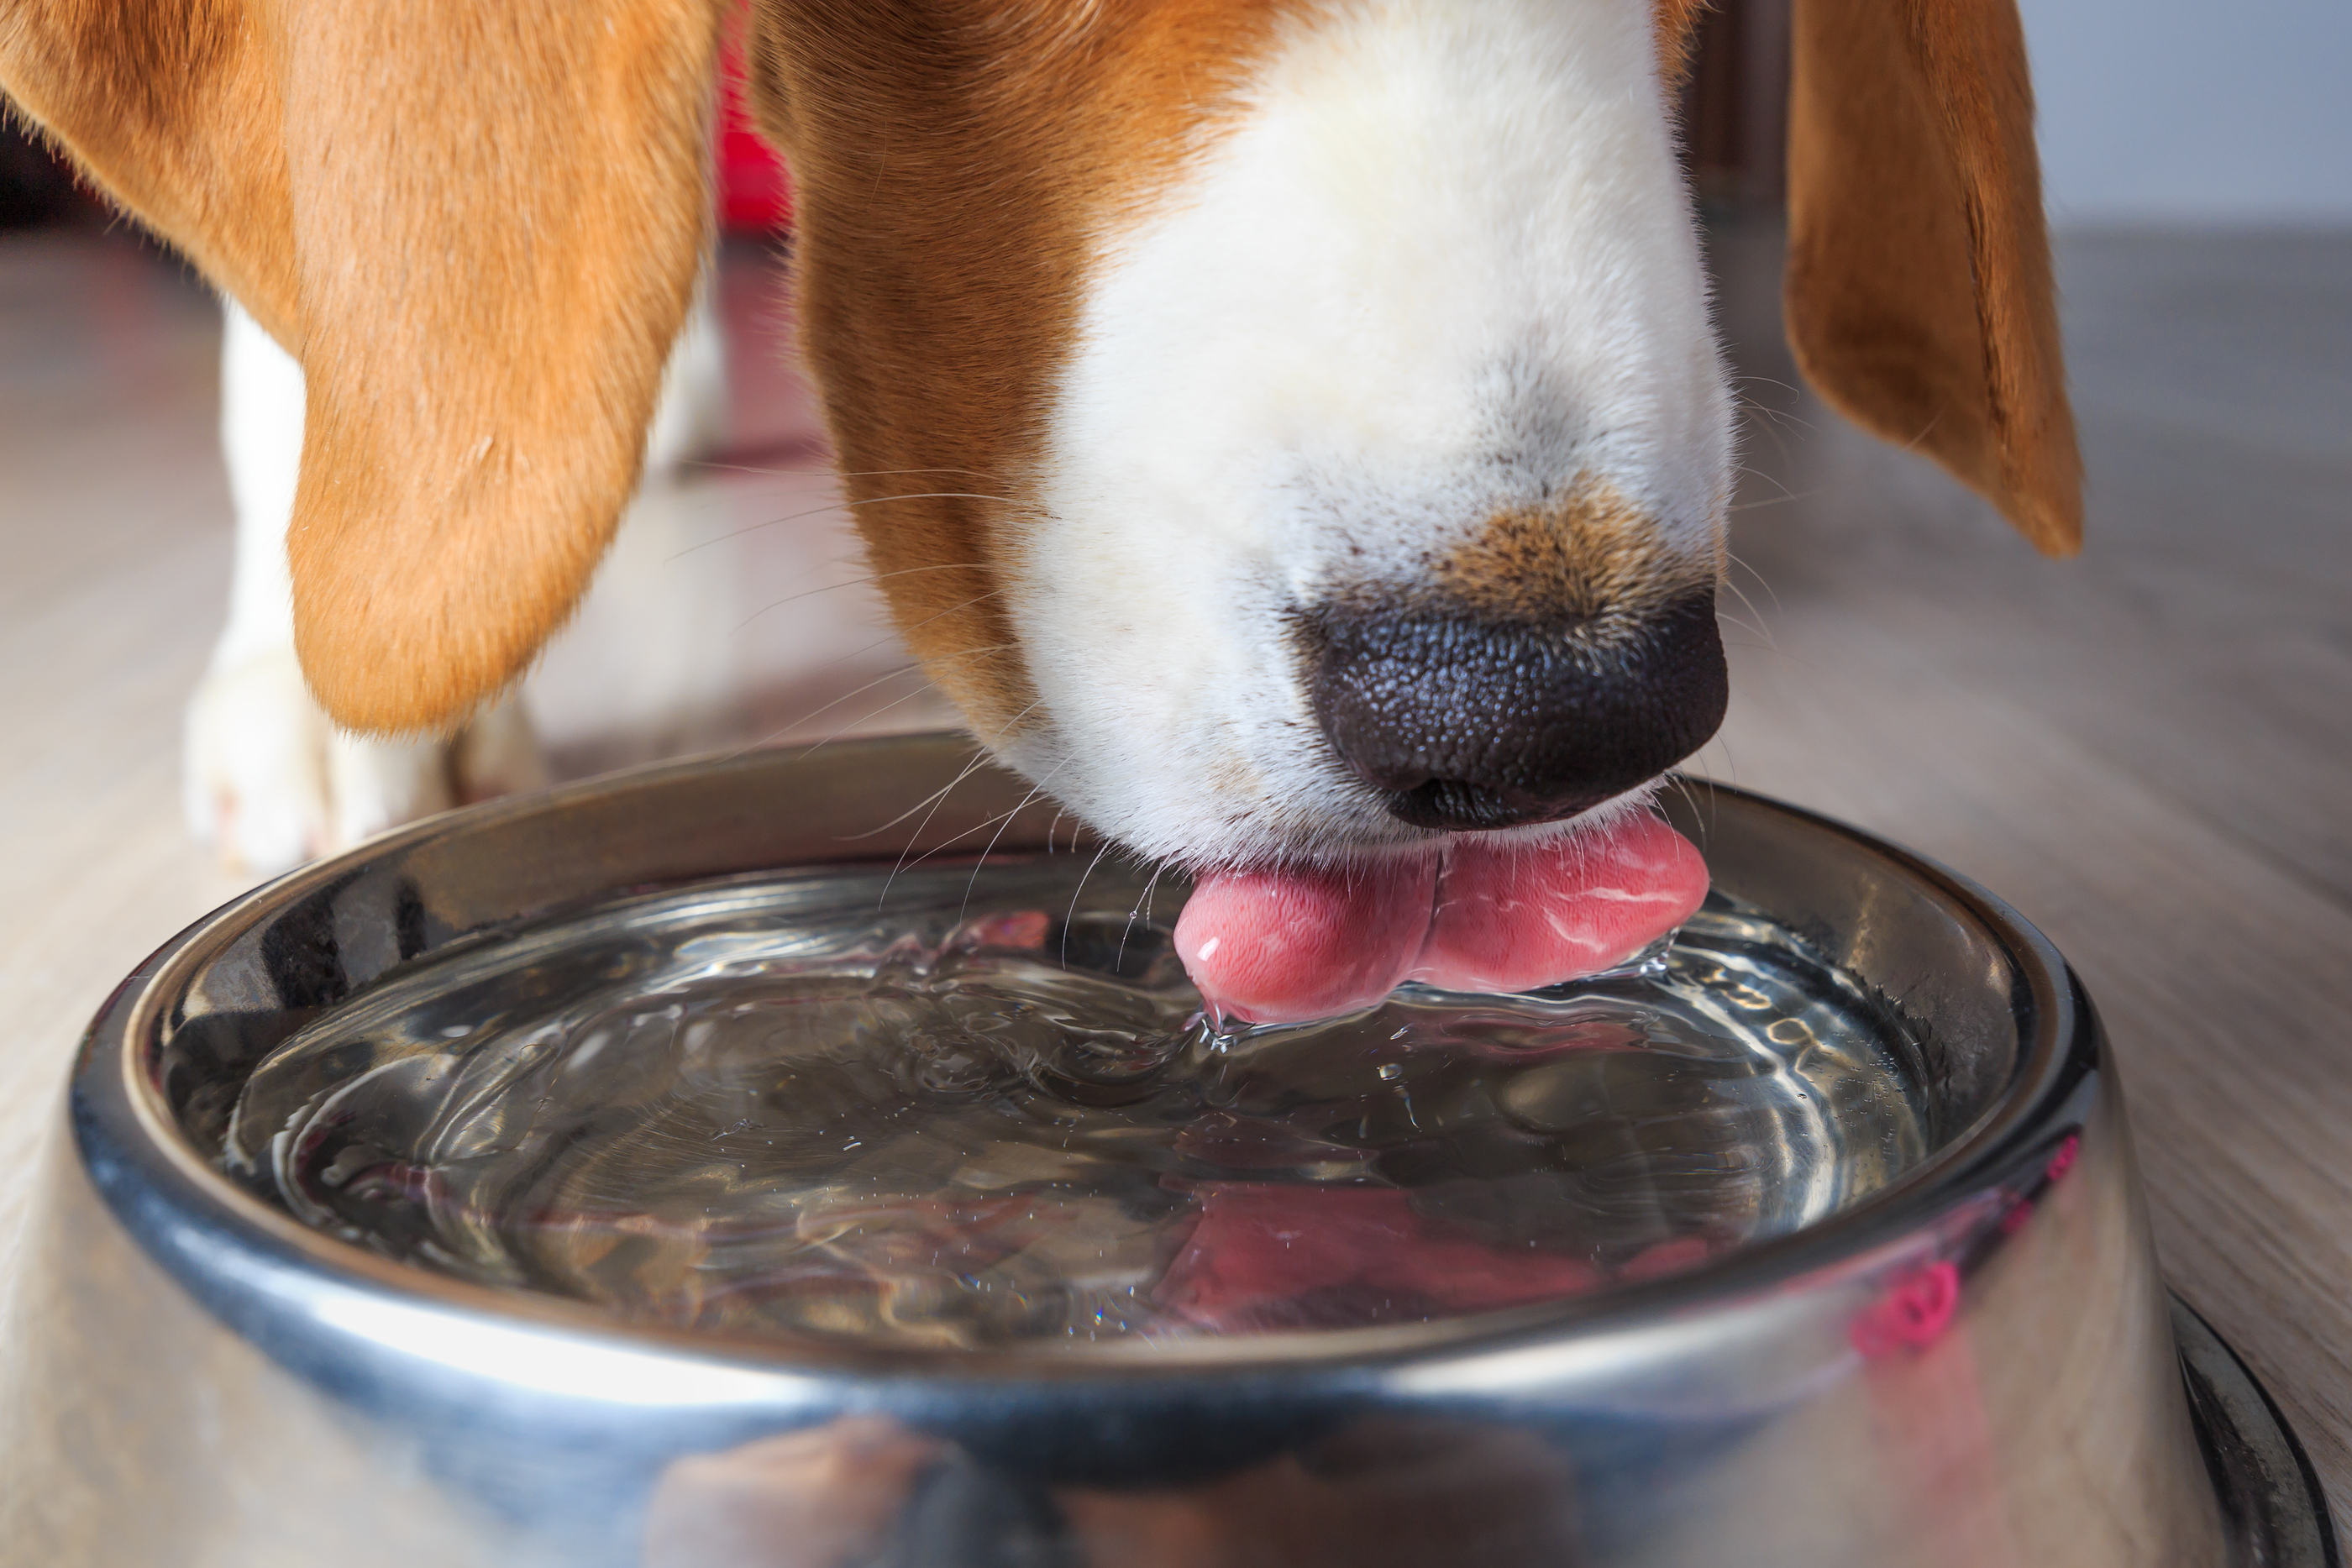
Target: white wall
x=2201 y=112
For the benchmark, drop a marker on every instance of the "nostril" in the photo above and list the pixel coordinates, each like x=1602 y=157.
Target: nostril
x=1466 y=723
x=1458 y=803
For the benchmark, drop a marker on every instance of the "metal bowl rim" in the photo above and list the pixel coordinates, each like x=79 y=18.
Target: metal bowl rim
x=150 y=1176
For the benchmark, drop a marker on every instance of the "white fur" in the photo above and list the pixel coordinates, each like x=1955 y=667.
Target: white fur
x=1444 y=264
x=267 y=778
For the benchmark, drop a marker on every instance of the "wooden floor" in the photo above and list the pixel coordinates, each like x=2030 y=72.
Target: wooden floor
x=2148 y=751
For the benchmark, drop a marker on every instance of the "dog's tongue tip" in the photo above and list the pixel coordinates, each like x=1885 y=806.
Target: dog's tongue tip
x=1279 y=946
x=1283 y=946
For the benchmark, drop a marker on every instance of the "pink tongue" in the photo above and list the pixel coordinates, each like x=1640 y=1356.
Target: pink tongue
x=1279 y=946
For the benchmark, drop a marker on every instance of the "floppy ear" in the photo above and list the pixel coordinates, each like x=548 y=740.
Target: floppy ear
x=1919 y=298
x=476 y=223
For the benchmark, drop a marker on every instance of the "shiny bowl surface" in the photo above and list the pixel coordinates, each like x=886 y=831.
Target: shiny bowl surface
x=1976 y=1365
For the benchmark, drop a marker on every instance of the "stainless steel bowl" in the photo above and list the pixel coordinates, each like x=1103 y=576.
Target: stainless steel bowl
x=1975 y=1367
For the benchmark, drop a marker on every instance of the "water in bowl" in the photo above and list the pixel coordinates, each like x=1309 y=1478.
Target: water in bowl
x=983 y=1108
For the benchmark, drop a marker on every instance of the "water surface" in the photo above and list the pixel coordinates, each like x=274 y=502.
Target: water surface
x=985 y=1109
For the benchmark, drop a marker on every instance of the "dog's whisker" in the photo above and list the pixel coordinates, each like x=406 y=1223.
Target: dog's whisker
x=1756 y=617
x=755 y=528
x=943 y=496
x=866 y=582
x=1923 y=432
x=1780 y=500
x=1761 y=582
x=1748 y=646
x=1717 y=742
x=1769 y=426
x=889 y=638
x=1077 y=893
x=1137 y=912
x=939 y=615
x=888 y=676
x=978 y=761
x=828 y=473
x=1733 y=588
x=1035 y=790
x=868 y=501
x=979 y=758
x=1762 y=641
x=1001 y=821
x=1713 y=809
x=852 y=728
x=891 y=674
x=1777 y=415
x=910 y=668
x=1681 y=785
x=870 y=715
x=884 y=641
x=1773 y=479
x=959 y=656
x=931 y=800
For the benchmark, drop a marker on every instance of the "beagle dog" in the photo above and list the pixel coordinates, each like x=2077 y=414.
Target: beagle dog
x=1323 y=443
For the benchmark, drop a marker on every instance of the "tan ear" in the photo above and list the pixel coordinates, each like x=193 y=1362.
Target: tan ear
x=477 y=224
x=1919 y=299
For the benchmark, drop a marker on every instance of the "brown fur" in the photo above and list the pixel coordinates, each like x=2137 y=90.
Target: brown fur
x=1677 y=21
x=954 y=164
x=476 y=223
x=1595 y=557
x=172 y=106
x=1919 y=298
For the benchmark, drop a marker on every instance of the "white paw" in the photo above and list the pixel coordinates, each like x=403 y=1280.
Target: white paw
x=269 y=782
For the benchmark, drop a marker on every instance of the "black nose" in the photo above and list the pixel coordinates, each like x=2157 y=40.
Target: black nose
x=1464 y=722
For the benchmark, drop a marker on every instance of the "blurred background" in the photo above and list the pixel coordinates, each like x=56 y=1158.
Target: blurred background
x=2148 y=750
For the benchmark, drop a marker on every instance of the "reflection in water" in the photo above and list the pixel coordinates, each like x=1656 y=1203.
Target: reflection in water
x=986 y=1111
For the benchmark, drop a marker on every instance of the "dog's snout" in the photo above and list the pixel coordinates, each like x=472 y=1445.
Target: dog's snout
x=1466 y=723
